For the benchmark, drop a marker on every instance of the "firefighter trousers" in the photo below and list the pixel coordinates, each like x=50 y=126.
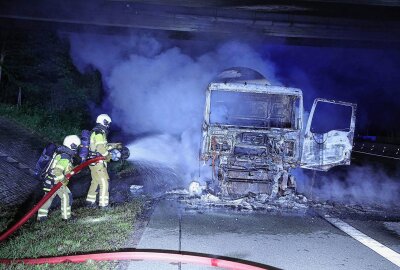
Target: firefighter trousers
x=99 y=184
x=66 y=200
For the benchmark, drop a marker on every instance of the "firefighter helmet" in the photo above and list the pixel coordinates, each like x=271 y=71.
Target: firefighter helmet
x=103 y=119
x=72 y=142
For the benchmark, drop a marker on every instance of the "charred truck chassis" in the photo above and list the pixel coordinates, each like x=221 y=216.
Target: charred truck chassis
x=252 y=135
x=259 y=162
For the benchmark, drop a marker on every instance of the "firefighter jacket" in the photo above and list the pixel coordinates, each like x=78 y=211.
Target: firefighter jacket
x=59 y=168
x=98 y=142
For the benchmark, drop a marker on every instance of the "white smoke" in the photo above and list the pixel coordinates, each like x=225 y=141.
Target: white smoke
x=358 y=185
x=156 y=88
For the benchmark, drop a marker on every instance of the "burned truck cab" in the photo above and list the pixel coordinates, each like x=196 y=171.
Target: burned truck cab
x=252 y=134
x=251 y=131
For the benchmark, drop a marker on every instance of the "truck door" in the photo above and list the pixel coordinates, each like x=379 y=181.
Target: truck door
x=330 y=144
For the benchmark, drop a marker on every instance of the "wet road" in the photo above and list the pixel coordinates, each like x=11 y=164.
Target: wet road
x=284 y=240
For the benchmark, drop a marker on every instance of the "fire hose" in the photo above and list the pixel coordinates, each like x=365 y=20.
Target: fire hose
x=143 y=255
x=25 y=218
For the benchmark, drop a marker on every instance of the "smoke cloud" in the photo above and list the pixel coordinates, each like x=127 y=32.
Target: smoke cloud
x=155 y=90
x=155 y=87
x=357 y=185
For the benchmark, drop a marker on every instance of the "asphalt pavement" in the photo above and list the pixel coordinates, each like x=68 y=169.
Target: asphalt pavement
x=287 y=240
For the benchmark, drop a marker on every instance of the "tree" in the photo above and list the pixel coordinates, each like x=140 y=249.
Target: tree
x=54 y=91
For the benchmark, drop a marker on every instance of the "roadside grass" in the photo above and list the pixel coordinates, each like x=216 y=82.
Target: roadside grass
x=6 y=215
x=42 y=123
x=93 y=230
x=33 y=118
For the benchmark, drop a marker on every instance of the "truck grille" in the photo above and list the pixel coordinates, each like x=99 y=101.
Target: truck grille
x=247 y=151
x=253 y=138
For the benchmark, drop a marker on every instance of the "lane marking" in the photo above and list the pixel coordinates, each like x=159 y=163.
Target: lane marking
x=364 y=239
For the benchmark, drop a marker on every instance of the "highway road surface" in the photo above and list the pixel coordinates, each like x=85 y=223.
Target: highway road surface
x=286 y=240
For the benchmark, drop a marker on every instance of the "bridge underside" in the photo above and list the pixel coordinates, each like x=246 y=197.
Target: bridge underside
x=373 y=23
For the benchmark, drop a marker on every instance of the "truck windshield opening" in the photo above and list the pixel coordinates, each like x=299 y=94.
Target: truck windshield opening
x=258 y=110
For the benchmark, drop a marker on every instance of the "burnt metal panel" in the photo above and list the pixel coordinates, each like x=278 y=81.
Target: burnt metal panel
x=324 y=151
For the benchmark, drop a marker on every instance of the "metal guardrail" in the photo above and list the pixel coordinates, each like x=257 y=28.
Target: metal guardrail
x=377 y=149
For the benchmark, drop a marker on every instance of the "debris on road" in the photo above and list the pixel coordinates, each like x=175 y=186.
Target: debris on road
x=195 y=189
x=198 y=197
x=136 y=189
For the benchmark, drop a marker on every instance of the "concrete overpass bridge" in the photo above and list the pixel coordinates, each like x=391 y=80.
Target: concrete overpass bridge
x=348 y=23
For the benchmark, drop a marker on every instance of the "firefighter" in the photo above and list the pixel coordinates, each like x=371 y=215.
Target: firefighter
x=100 y=179
x=59 y=167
